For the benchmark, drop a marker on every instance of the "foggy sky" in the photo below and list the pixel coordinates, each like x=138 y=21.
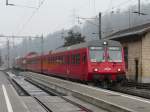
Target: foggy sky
x=54 y=15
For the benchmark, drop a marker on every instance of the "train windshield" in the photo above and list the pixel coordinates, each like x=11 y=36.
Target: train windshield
x=97 y=54
x=114 y=54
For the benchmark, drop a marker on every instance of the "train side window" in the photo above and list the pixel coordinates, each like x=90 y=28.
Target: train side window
x=56 y=59
x=53 y=60
x=64 y=59
x=59 y=60
x=68 y=59
x=73 y=59
x=77 y=58
x=49 y=59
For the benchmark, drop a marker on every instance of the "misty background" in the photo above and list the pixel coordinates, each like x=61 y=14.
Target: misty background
x=112 y=21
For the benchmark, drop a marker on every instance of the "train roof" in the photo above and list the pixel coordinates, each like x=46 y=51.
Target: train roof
x=95 y=43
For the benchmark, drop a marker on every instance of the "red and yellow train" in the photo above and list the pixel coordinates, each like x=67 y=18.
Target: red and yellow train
x=101 y=61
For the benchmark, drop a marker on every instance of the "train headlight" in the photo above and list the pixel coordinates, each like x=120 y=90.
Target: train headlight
x=119 y=69
x=95 y=69
x=105 y=43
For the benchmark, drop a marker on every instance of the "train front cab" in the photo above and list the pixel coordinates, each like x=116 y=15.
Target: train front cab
x=106 y=63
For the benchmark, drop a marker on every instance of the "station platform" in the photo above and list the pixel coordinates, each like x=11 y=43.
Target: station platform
x=36 y=100
x=97 y=96
x=9 y=99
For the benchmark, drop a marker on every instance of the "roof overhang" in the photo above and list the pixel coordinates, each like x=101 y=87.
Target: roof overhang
x=130 y=34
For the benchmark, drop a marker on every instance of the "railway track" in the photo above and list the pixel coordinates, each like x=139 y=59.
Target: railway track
x=138 y=85
x=81 y=91
x=18 y=85
x=132 y=88
x=20 y=90
x=43 y=83
x=84 y=109
x=144 y=93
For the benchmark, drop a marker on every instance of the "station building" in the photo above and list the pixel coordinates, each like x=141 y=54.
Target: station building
x=136 y=43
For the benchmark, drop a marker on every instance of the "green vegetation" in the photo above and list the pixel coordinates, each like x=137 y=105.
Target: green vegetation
x=73 y=38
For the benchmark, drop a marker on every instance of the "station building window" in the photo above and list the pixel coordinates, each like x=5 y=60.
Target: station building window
x=126 y=56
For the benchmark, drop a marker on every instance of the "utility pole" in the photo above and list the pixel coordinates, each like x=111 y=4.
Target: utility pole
x=6 y=2
x=8 y=46
x=42 y=52
x=129 y=18
x=100 y=26
x=8 y=53
x=139 y=7
x=14 y=51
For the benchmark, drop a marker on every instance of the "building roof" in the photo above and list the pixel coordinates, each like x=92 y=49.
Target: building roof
x=130 y=32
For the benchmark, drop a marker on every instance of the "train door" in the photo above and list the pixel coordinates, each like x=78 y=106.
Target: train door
x=75 y=66
x=68 y=65
x=83 y=65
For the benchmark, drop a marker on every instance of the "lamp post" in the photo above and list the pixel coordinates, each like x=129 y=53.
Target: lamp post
x=8 y=48
x=139 y=9
x=42 y=52
x=100 y=26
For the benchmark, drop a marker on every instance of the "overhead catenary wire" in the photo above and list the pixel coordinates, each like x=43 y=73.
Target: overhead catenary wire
x=117 y=6
x=110 y=7
x=24 y=6
x=32 y=15
x=88 y=20
x=19 y=5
